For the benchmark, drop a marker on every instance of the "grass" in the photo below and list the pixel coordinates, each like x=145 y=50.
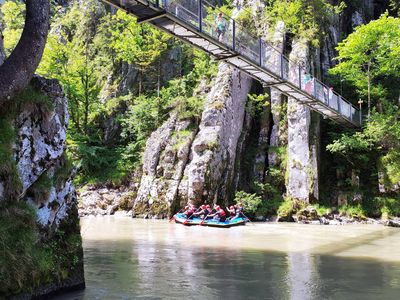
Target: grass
x=26 y=261
x=40 y=189
x=30 y=95
x=8 y=168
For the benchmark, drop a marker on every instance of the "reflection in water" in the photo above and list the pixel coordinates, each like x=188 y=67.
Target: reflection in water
x=136 y=259
x=300 y=275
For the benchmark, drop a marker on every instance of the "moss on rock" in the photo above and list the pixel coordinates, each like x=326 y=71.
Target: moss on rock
x=30 y=260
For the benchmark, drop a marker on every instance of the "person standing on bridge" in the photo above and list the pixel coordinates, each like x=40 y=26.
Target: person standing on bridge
x=220 y=25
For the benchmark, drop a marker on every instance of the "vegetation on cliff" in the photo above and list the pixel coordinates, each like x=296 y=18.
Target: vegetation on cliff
x=28 y=260
x=123 y=79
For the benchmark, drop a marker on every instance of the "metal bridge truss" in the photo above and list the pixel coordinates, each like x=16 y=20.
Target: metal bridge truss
x=194 y=22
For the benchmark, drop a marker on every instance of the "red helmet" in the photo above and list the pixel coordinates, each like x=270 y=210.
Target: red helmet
x=217 y=207
x=203 y=206
x=186 y=207
x=208 y=206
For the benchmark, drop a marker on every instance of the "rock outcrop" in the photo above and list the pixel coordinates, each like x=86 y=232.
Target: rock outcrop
x=44 y=174
x=106 y=201
x=185 y=161
x=211 y=169
x=302 y=172
x=42 y=132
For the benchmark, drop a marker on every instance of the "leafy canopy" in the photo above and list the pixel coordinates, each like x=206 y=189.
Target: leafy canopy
x=372 y=53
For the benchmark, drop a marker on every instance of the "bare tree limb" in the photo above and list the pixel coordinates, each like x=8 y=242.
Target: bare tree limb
x=18 y=69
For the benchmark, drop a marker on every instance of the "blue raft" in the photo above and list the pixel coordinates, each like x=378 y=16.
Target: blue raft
x=181 y=219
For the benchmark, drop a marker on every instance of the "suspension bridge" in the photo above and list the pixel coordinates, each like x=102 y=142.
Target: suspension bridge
x=203 y=26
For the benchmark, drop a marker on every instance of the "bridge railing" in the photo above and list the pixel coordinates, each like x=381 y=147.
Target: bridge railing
x=214 y=23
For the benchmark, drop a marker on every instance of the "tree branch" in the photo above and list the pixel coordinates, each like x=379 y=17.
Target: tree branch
x=18 y=69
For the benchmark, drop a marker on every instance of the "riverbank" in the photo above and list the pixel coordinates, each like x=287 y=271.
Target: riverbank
x=107 y=201
x=335 y=219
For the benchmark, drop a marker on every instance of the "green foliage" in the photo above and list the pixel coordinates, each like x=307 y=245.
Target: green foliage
x=302 y=18
x=64 y=170
x=14 y=20
x=84 y=57
x=31 y=95
x=256 y=104
x=286 y=209
x=322 y=209
x=251 y=202
x=378 y=143
x=390 y=165
x=368 y=58
x=137 y=43
x=26 y=262
x=40 y=189
x=8 y=168
x=96 y=162
x=356 y=211
x=381 y=206
x=7 y=139
x=191 y=108
x=394 y=6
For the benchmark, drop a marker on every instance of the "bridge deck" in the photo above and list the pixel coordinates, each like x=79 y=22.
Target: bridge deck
x=194 y=22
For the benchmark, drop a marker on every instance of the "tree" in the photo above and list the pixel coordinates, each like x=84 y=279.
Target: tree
x=18 y=69
x=139 y=44
x=370 y=58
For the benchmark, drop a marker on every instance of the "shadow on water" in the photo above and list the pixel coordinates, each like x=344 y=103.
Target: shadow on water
x=153 y=265
x=348 y=244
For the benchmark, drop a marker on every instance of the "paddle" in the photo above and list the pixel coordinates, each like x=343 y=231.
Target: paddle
x=248 y=220
x=173 y=217
x=187 y=220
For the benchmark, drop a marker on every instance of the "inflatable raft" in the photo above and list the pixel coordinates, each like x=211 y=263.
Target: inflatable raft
x=181 y=219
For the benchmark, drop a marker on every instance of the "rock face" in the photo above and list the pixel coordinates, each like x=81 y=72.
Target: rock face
x=185 y=161
x=41 y=132
x=44 y=172
x=211 y=169
x=302 y=153
x=106 y=201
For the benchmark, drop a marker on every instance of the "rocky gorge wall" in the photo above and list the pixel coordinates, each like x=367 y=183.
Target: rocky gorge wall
x=42 y=178
x=230 y=148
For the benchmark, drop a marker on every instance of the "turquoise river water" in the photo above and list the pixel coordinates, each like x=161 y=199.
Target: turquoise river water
x=150 y=259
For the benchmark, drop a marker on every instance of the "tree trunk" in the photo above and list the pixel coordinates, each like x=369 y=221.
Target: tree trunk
x=18 y=69
x=369 y=91
x=86 y=115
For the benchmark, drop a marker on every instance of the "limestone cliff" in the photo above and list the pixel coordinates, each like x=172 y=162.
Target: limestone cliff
x=229 y=148
x=185 y=161
x=42 y=176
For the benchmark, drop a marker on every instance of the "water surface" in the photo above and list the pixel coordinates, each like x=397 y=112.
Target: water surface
x=144 y=259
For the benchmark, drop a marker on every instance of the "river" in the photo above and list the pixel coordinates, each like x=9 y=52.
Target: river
x=151 y=259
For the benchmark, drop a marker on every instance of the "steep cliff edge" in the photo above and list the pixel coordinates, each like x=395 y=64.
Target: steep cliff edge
x=38 y=203
x=186 y=161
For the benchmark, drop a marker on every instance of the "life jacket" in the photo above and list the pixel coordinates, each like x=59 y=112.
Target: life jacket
x=221 y=213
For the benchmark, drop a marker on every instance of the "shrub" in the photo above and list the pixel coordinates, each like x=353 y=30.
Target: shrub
x=286 y=209
x=251 y=202
x=353 y=211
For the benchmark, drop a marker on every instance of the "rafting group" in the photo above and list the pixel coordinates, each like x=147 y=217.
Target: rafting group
x=207 y=216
